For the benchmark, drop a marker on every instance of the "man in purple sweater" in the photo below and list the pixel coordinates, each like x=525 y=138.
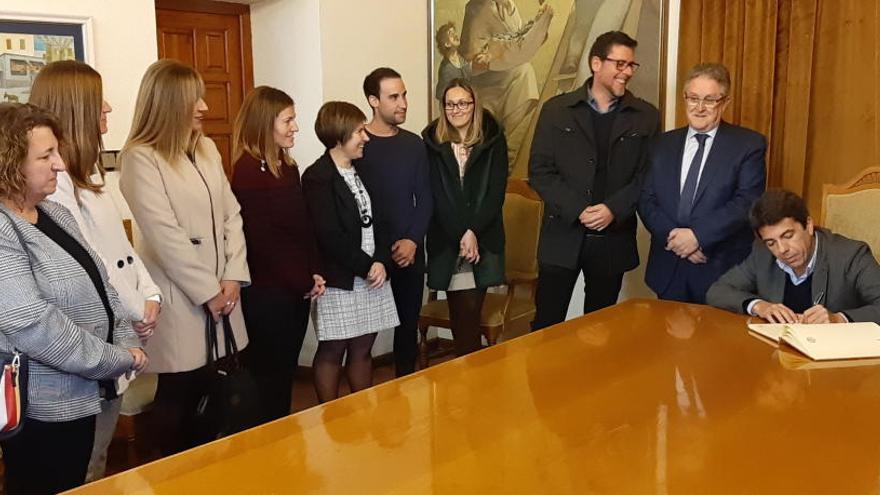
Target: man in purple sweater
x=394 y=169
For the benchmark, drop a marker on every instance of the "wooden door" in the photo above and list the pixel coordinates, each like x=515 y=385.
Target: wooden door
x=213 y=37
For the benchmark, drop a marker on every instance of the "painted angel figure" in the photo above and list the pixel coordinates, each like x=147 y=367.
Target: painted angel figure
x=494 y=37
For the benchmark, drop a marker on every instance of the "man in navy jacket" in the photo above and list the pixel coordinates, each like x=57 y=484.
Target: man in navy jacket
x=702 y=180
x=395 y=170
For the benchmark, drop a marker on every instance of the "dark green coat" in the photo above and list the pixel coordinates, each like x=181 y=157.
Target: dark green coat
x=474 y=205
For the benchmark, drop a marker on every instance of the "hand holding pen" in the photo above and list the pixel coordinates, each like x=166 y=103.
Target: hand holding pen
x=819 y=313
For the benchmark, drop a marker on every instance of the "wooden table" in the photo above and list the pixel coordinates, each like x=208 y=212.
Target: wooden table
x=645 y=397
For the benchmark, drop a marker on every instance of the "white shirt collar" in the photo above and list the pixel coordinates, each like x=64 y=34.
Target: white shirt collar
x=811 y=266
x=691 y=132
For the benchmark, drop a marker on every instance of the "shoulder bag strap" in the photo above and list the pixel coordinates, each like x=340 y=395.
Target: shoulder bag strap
x=30 y=263
x=211 y=345
x=229 y=337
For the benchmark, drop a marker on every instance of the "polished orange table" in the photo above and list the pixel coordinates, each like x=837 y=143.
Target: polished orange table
x=644 y=397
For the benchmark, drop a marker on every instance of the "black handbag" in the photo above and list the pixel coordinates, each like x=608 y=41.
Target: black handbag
x=13 y=393
x=230 y=403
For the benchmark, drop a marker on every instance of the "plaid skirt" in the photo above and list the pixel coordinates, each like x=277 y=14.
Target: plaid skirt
x=344 y=314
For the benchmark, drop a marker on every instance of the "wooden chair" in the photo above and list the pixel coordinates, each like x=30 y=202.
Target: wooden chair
x=133 y=437
x=523 y=211
x=138 y=399
x=853 y=209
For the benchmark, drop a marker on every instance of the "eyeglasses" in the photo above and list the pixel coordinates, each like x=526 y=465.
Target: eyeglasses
x=461 y=106
x=710 y=102
x=620 y=65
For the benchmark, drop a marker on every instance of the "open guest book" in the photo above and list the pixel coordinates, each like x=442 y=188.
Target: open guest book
x=825 y=341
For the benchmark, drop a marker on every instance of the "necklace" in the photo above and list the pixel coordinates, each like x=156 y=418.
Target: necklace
x=361 y=200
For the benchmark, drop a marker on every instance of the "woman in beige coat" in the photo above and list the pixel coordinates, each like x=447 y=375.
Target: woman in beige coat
x=193 y=243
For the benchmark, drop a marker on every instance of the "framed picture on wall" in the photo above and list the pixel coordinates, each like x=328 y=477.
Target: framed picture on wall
x=519 y=53
x=28 y=43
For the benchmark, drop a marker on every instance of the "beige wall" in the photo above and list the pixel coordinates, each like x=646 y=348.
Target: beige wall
x=321 y=51
x=358 y=36
x=124 y=44
x=287 y=55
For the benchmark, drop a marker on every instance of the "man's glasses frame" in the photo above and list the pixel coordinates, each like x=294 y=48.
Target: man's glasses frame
x=709 y=102
x=622 y=65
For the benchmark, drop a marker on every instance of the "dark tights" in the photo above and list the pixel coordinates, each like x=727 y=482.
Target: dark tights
x=464 y=315
x=327 y=366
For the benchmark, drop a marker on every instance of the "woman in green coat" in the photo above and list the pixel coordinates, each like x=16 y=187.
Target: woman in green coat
x=467 y=155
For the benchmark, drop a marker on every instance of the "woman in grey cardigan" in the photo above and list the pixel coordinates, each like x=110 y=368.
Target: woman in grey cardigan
x=57 y=307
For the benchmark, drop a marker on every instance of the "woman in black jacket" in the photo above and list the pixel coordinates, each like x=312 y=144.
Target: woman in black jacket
x=467 y=155
x=353 y=239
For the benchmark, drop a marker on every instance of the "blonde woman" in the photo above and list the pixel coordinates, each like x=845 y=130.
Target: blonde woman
x=193 y=243
x=282 y=251
x=467 y=158
x=73 y=92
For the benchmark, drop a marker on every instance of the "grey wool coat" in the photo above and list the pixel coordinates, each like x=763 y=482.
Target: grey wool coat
x=50 y=311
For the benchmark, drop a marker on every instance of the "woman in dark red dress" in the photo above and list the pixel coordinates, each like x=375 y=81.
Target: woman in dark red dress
x=281 y=249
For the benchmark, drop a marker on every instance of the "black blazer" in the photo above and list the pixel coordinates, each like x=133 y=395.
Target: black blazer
x=337 y=223
x=562 y=168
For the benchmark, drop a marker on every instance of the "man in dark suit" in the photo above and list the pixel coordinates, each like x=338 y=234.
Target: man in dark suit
x=702 y=180
x=798 y=273
x=587 y=161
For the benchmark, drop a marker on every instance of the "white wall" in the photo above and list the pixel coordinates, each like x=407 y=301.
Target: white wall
x=358 y=36
x=124 y=44
x=321 y=51
x=287 y=55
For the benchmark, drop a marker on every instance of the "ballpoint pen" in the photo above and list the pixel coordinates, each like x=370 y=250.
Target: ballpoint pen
x=819 y=298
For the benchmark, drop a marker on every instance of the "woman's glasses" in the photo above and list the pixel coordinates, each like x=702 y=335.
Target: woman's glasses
x=461 y=106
